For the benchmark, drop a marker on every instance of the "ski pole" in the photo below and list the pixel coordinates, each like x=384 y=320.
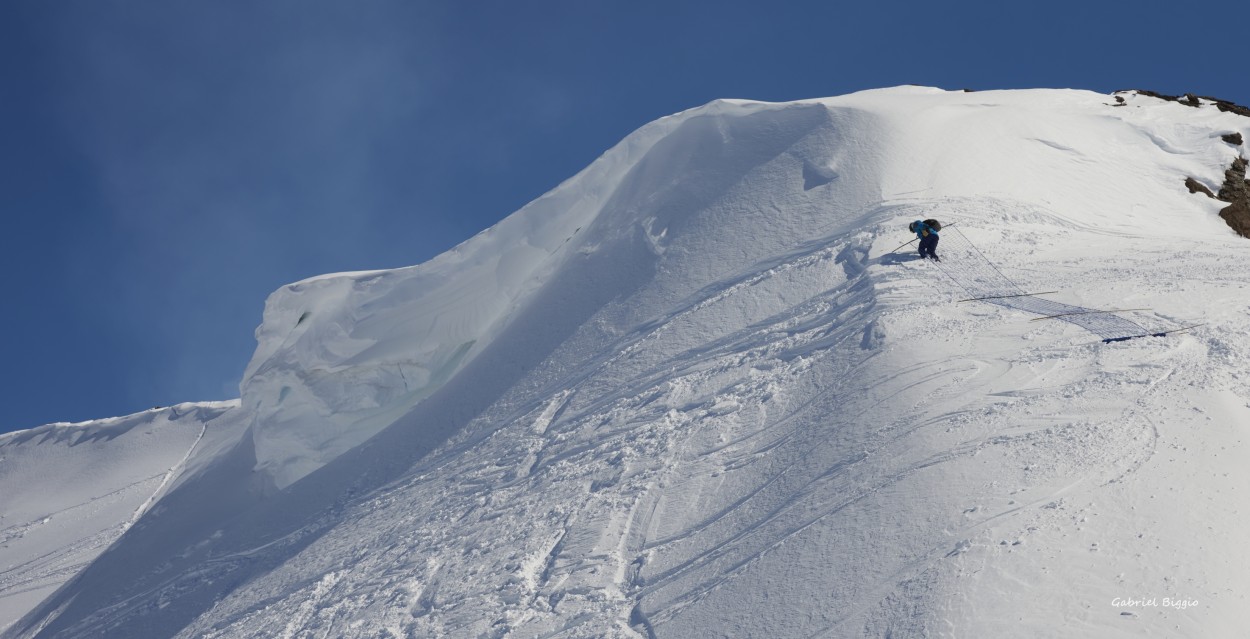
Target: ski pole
x=913 y=240
x=999 y=297
x=951 y=225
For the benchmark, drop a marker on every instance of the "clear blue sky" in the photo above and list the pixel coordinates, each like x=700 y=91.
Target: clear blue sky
x=164 y=164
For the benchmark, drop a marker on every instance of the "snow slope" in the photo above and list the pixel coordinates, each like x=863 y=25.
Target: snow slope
x=691 y=392
x=67 y=491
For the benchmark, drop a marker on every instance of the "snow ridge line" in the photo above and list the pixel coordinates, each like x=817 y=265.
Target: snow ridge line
x=169 y=476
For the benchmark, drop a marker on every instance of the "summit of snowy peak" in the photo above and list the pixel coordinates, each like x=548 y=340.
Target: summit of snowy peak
x=340 y=356
x=902 y=89
x=696 y=389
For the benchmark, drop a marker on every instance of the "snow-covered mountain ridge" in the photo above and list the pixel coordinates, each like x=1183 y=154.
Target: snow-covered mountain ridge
x=70 y=490
x=690 y=392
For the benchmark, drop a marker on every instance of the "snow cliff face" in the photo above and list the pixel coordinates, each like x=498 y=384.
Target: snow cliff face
x=340 y=357
x=691 y=392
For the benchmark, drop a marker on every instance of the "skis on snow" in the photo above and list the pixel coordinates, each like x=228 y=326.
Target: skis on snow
x=1159 y=334
x=999 y=297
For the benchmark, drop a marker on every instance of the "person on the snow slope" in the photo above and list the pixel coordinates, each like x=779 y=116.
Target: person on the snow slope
x=927 y=231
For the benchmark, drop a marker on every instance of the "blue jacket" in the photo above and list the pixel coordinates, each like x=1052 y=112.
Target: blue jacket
x=923 y=229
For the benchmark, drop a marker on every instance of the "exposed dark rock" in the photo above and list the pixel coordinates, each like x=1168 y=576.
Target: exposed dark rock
x=1188 y=99
x=1236 y=191
x=1192 y=100
x=1153 y=94
x=1195 y=186
x=1238 y=217
x=1234 y=187
x=1230 y=107
x=1119 y=101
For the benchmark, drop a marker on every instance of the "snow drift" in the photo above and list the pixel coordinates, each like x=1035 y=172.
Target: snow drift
x=691 y=392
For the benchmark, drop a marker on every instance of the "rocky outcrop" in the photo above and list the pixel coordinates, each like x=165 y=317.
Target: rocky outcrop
x=1195 y=186
x=1188 y=99
x=1238 y=217
x=1236 y=191
x=1225 y=105
x=1234 y=187
x=1192 y=100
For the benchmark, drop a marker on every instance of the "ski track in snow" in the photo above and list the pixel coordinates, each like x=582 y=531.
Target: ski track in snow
x=168 y=476
x=88 y=521
x=771 y=427
x=599 y=563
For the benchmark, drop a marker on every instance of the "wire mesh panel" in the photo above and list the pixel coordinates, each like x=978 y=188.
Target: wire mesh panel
x=969 y=269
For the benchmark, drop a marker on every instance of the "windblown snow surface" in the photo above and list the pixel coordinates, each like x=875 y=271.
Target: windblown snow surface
x=692 y=392
x=67 y=491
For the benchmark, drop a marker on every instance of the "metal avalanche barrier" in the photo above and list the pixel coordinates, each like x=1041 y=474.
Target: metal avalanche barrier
x=969 y=269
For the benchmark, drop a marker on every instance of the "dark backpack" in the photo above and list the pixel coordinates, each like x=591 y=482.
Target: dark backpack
x=933 y=224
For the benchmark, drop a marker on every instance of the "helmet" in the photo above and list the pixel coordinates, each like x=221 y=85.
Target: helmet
x=912 y=227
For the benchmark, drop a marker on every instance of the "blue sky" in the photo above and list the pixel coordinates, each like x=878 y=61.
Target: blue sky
x=164 y=165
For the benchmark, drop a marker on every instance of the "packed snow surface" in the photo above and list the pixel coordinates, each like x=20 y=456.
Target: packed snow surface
x=695 y=392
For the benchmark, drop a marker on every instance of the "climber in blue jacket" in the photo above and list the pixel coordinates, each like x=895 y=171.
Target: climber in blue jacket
x=927 y=231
